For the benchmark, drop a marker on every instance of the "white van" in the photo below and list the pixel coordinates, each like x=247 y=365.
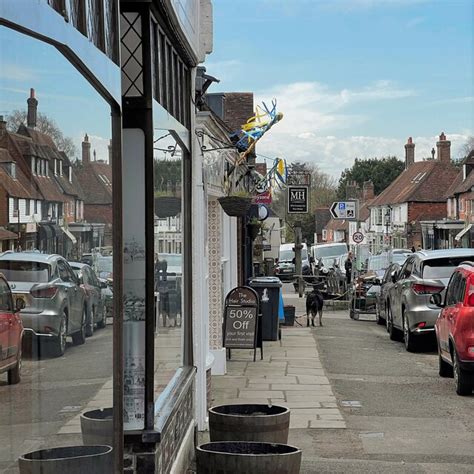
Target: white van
x=327 y=253
x=285 y=268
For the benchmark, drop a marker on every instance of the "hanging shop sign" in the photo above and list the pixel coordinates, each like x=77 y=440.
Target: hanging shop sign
x=241 y=319
x=263 y=198
x=298 y=199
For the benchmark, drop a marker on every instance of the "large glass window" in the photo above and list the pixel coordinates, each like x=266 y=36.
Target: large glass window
x=168 y=267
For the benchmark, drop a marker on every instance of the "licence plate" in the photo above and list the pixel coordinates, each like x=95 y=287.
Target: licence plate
x=287 y=270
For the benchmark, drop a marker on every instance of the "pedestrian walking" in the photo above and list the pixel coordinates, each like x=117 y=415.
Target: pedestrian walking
x=348 y=267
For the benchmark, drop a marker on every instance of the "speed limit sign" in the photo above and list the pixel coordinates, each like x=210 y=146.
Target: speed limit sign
x=358 y=237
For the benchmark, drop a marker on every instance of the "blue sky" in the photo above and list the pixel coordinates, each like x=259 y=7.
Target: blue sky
x=352 y=77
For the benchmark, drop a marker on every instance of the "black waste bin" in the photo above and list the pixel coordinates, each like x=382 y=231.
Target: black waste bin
x=268 y=289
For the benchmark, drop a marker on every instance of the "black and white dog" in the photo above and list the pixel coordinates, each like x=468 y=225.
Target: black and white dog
x=314 y=306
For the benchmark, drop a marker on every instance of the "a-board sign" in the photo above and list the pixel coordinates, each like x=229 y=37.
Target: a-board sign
x=241 y=318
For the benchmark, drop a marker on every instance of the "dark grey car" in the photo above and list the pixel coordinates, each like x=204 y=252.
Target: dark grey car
x=96 y=310
x=409 y=311
x=382 y=297
x=49 y=292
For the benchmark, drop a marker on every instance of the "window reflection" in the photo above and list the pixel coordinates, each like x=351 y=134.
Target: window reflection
x=168 y=266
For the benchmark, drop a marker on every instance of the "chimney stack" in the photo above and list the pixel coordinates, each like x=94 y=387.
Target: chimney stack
x=368 y=191
x=444 y=149
x=32 y=110
x=409 y=152
x=3 y=126
x=86 y=150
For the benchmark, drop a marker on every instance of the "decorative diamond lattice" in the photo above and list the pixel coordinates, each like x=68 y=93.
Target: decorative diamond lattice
x=132 y=54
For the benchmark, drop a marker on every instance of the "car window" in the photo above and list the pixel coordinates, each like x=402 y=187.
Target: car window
x=25 y=271
x=65 y=272
x=92 y=278
x=6 y=303
x=405 y=272
x=442 y=267
x=460 y=289
x=451 y=292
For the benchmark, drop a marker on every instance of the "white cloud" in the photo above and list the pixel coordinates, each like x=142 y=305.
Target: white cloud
x=14 y=72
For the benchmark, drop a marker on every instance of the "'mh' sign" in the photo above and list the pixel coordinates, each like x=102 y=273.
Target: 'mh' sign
x=297 y=199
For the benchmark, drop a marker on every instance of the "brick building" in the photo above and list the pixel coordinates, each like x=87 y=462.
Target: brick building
x=417 y=194
x=95 y=179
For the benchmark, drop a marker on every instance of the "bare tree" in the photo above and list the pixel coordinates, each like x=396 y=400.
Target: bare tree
x=45 y=125
x=467 y=147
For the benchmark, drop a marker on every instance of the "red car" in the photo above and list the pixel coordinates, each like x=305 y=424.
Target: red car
x=11 y=334
x=455 y=329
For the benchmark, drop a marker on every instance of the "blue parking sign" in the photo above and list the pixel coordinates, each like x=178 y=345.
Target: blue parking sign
x=342 y=205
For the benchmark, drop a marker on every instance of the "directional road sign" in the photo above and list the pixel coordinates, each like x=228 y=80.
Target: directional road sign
x=344 y=210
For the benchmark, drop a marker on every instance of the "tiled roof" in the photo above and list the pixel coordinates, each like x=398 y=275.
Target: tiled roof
x=95 y=179
x=461 y=185
x=98 y=213
x=423 y=181
x=6 y=234
x=37 y=136
x=337 y=224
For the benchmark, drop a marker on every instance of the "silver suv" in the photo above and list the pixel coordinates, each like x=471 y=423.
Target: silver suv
x=409 y=312
x=46 y=288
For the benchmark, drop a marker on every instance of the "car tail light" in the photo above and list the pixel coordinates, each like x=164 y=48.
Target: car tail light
x=48 y=292
x=421 y=289
x=470 y=350
x=421 y=325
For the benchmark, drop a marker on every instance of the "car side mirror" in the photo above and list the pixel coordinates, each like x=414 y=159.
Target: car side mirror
x=102 y=284
x=19 y=304
x=436 y=299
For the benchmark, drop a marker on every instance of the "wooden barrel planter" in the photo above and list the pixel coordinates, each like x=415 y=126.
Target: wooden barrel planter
x=249 y=422
x=96 y=426
x=235 y=206
x=237 y=457
x=167 y=206
x=69 y=459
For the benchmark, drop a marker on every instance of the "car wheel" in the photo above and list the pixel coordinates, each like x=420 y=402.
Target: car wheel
x=103 y=320
x=445 y=369
x=79 y=337
x=378 y=316
x=394 y=333
x=462 y=380
x=14 y=375
x=409 y=338
x=90 y=323
x=58 y=344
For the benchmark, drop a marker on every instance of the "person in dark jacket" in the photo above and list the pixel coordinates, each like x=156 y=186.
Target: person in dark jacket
x=348 y=267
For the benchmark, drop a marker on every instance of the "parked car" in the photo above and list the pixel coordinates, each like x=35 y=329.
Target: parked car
x=103 y=267
x=285 y=267
x=327 y=253
x=382 y=297
x=11 y=334
x=96 y=310
x=455 y=329
x=409 y=311
x=53 y=302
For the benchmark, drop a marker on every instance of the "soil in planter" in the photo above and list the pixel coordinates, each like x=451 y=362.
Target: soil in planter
x=249 y=410
x=242 y=447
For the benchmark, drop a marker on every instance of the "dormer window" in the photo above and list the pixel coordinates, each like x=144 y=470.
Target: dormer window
x=46 y=167
x=55 y=167
x=70 y=174
x=33 y=165
x=60 y=168
x=13 y=170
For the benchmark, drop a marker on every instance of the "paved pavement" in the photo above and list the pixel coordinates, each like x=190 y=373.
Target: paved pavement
x=359 y=402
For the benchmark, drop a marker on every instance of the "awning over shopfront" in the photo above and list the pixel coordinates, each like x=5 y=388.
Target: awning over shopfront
x=71 y=237
x=45 y=231
x=7 y=235
x=459 y=235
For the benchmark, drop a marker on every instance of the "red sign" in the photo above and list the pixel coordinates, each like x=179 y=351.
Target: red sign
x=264 y=198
